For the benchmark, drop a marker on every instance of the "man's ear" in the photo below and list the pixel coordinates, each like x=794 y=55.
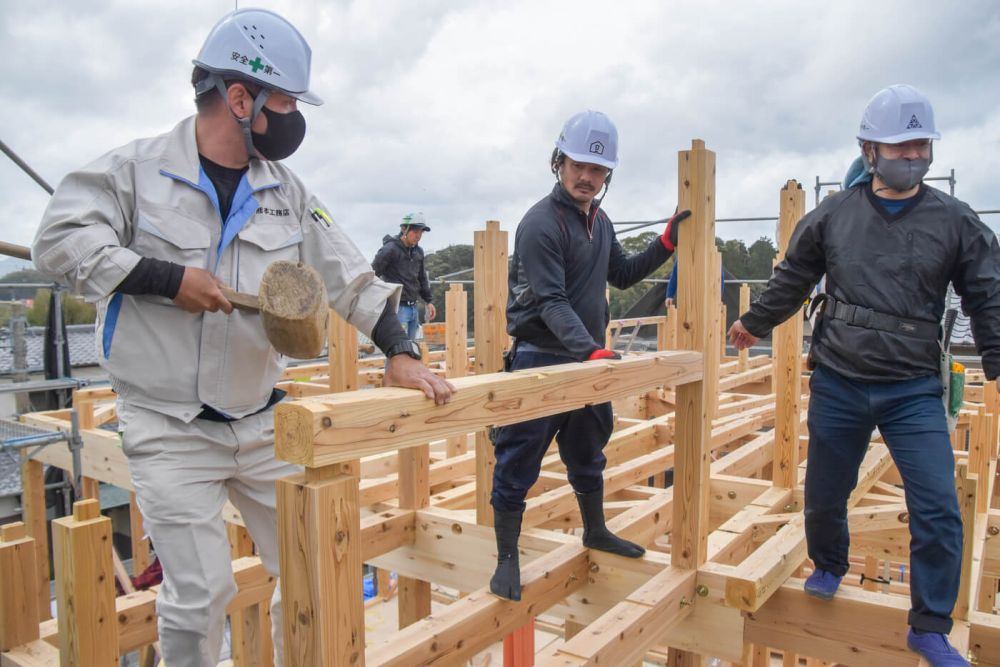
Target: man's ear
x=239 y=100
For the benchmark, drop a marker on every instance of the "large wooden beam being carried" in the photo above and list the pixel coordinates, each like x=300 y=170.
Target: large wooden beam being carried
x=324 y=430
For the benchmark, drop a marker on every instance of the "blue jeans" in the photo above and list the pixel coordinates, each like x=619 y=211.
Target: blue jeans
x=910 y=416
x=409 y=317
x=581 y=435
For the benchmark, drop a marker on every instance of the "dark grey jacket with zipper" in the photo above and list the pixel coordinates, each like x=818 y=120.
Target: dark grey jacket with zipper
x=899 y=265
x=561 y=266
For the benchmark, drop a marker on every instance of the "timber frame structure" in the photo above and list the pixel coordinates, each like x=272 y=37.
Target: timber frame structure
x=393 y=480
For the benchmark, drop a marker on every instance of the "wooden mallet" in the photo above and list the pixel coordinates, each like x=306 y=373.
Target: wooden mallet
x=293 y=308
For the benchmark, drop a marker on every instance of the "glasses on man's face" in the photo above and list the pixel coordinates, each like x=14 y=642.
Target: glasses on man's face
x=917 y=148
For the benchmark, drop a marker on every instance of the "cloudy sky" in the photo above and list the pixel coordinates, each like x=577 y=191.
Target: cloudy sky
x=451 y=108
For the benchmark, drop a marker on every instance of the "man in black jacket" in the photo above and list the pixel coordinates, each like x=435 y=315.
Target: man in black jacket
x=401 y=260
x=889 y=245
x=565 y=254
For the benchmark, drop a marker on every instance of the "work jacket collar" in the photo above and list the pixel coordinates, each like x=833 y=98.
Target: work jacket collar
x=180 y=159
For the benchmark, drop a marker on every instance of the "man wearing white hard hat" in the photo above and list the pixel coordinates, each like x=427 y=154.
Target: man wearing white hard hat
x=150 y=232
x=400 y=260
x=889 y=246
x=565 y=254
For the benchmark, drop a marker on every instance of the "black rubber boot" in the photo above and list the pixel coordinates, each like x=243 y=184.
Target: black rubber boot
x=596 y=534
x=506 y=581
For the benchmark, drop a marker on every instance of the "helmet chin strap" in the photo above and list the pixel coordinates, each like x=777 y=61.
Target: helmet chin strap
x=247 y=122
x=244 y=123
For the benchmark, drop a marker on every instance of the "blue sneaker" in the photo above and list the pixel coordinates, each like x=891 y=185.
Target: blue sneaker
x=935 y=649
x=822 y=584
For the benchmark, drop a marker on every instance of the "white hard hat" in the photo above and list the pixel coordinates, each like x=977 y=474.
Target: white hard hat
x=591 y=137
x=896 y=114
x=260 y=46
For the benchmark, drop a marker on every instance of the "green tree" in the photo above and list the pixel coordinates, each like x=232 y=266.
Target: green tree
x=21 y=276
x=75 y=311
x=622 y=300
x=449 y=260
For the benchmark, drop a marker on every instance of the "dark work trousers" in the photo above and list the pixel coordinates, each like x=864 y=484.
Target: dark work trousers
x=910 y=416
x=581 y=435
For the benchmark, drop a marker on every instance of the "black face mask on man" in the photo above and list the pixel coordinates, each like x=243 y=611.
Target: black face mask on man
x=284 y=134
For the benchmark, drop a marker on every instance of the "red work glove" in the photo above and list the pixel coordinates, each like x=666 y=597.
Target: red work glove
x=669 y=238
x=603 y=354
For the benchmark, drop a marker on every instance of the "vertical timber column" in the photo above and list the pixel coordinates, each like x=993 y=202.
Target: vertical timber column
x=490 y=301
x=343 y=354
x=672 y=327
x=744 y=307
x=33 y=512
x=788 y=355
x=250 y=630
x=414 y=595
x=697 y=302
x=85 y=588
x=456 y=303
x=319 y=526
x=18 y=587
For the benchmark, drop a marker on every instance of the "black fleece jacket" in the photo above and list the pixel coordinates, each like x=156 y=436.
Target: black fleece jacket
x=559 y=273
x=895 y=264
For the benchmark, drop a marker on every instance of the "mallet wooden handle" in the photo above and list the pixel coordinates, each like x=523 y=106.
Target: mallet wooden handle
x=248 y=303
x=14 y=250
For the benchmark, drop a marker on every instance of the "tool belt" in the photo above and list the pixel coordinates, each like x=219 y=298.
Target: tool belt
x=859 y=316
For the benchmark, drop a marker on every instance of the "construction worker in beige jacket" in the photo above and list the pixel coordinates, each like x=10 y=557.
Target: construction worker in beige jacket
x=150 y=232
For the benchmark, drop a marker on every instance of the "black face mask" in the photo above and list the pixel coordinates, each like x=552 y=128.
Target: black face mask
x=285 y=132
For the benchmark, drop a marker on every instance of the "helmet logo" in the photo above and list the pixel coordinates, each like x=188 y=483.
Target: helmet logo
x=914 y=123
x=256 y=64
x=597 y=148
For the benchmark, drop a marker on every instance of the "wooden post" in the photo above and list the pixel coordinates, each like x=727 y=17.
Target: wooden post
x=319 y=525
x=250 y=628
x=787 y=339
x=965 y=483
x=490 y=319
x=18 y=587
x=34 y=515
x=140 y=545
x=744 y=307
x=414 y=595
x=85 y=588
x=671 y=328
x=343 y=354
x=456 y=349
x=697 y=299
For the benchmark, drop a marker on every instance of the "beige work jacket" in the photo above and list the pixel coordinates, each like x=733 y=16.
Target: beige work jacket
x=151 y=198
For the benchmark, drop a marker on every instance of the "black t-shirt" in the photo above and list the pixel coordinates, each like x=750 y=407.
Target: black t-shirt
x=225 y=180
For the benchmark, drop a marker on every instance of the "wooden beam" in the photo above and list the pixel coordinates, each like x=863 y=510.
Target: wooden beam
x=472 y=623
x=744 y=357
x=85 y=593
x=414 y=494
x=788 y=355
x=34 y=514
x=456 y=352
x=698 y=289
x=342 y=340
x=490 y=322
x=317 y=432
x=626 y=632
x=320 y=553
x=18 y=587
